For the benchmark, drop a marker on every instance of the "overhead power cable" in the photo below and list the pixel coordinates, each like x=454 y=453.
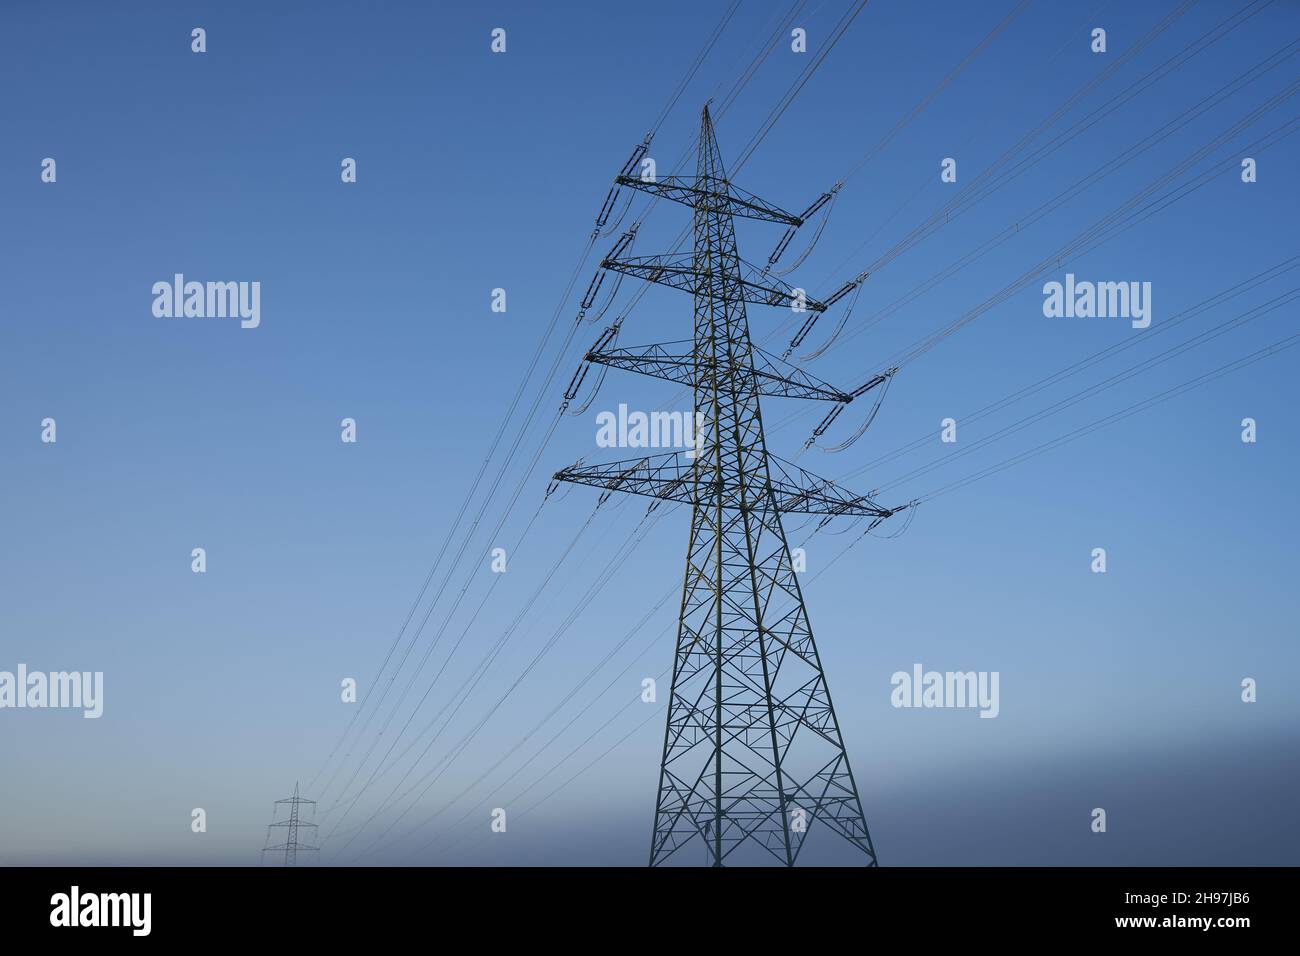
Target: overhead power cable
x=529 y=471
x=1119 y=416
x=1241 y=288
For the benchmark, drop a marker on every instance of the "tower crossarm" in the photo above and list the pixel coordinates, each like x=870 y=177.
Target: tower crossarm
x=674 y=477
x=681 y=271
x=289 y=846
x=806 y=493
x=673 y=362
x=718 y=195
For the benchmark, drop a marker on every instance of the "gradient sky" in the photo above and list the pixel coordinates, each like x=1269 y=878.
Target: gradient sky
x=479 y=171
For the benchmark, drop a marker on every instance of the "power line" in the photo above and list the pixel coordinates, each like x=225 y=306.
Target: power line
x=481 y=670
x=527 y=474
x=595 y=733
x=1122 y=415
x=765 y=134
x=777 y=111
x=1072 y=191
x=943 y=84
x=941 y=216
x=1157 y=399
x=1091 y=391
x=1240 y=288
x=509 y=416
x=1100 y=230
x=383 y=762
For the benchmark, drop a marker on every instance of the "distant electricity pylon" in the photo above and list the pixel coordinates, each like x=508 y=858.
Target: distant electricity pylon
x=291 y=846
x=753 y=759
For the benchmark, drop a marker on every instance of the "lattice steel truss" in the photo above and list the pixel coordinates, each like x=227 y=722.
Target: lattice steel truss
x=292 y=826
x=753 y=759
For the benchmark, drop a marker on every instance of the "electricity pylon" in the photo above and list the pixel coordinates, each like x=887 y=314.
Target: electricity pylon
x=291 y=845
x=753 y=759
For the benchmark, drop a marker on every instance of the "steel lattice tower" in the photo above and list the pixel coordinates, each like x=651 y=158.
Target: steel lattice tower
x=292 y=826
x=752 y=747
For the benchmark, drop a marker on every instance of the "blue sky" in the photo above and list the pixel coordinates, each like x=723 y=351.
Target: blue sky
x=479 y=171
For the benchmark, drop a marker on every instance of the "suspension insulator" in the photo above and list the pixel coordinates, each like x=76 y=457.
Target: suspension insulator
x=807 y=214
x=575 y=384
x=592 y=288
x=781 y=247
x=842 y=291
x=822 y=200
x=872 y=383
x=603 y=217
x=827 y=421
x=606 y=337
x=624 y=241
x=612 y=196
x=638 y=154
x=802 y=334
